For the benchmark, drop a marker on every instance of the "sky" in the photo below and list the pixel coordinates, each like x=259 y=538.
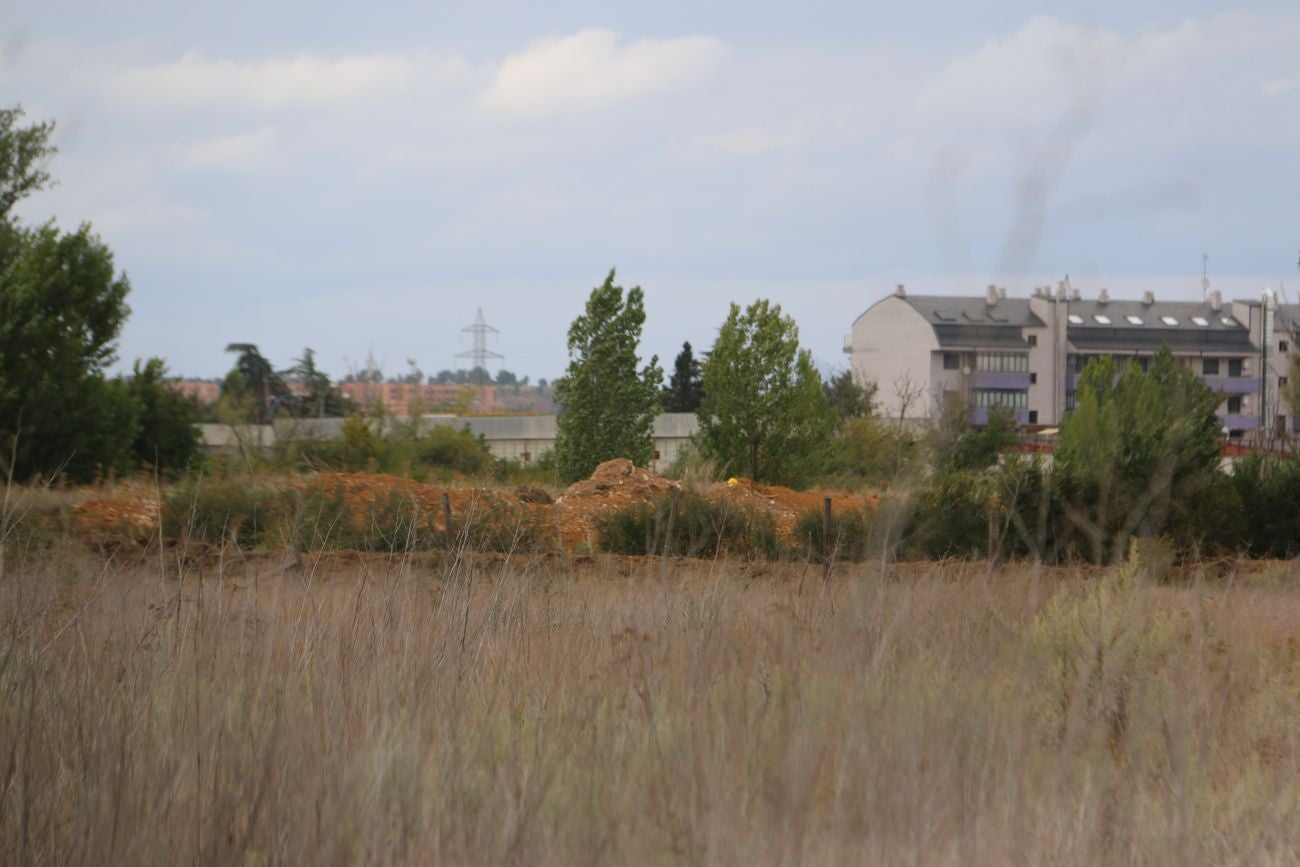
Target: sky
x=361 y=178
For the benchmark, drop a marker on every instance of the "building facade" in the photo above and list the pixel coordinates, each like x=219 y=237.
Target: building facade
x=1026 y=354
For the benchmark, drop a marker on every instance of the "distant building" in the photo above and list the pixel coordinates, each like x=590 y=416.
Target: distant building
x=399 y=398
x=1025 y=354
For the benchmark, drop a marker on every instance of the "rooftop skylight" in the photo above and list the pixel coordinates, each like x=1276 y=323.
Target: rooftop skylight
x=1228 y=321
x=1168 y=320
x=1201 y=321
x=1133 y=320
x=1102 y=318
x=1075 y=319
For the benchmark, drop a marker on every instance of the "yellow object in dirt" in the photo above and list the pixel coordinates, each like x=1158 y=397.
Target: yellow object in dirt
x=733 y=481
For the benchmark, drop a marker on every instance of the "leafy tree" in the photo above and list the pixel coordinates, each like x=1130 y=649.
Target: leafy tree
x=764 y=412
x=685 y=389
x=61 y=309
x=166 y=436
x=506 y=377
x=1137 y=451
x=321 y=399
x=848 y=397
x=608 y=404
x=23 y=154
x=255 y=378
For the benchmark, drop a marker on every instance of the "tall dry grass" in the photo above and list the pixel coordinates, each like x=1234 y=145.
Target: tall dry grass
x=468 y=710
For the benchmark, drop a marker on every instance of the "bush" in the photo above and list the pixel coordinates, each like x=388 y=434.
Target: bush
x=850 y=536
x=701 y=528
x=459 y=451
x=225 y=508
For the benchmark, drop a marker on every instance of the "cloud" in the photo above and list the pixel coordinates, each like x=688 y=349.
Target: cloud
x=228 y=152
x=591 y=70
x=269 y=84
x=752 y=142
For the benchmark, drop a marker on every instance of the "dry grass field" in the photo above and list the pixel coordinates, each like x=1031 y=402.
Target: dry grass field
x=241 y=709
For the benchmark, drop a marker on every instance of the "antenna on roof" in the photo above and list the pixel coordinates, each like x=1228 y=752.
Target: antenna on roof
x=1205 y=276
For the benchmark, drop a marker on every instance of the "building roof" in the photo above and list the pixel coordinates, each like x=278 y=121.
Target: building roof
x=1187 y=326
x=962 y=310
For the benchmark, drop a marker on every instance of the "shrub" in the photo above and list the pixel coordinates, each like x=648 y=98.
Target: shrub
x=850 y=536
x=224 y=508
x=701 y=528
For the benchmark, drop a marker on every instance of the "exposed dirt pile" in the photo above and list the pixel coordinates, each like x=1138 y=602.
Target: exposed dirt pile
x=786 y=505
x=366 y=494
x=135 y=517
x=614 y=485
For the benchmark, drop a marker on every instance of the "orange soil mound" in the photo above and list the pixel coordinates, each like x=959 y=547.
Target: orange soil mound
x=614 y=485
x=137 y=516
x=361 y=492
x=786 y=505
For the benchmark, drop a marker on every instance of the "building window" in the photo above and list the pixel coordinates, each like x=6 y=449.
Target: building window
x=1033 y=341
x=1282 y=346
x=1002 y=362
x=1069 y=401
x=1234 y=405
x=988 y=398
x=1033 y=379
x=1281 y=382
x=951 y=361
x=1033 y=416
x=1235 y=367
x=1210 y=366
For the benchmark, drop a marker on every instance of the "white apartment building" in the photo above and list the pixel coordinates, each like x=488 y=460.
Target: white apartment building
x=1026 y=353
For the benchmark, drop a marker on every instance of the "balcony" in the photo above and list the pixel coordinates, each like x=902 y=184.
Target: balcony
x=848 y=344
x=1232 y=384
x=979 y=416
x=1001 y=381
x=1240 y=422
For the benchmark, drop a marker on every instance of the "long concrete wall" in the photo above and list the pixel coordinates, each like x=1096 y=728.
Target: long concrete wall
x=518 y=438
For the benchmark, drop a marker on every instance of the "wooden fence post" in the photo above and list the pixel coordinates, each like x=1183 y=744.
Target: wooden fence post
x=446 y=519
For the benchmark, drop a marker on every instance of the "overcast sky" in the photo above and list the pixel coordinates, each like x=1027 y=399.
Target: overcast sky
x=356 y=176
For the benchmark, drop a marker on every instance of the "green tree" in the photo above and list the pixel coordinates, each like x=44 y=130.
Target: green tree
x=24 y=151
x=61 y=309
x=166 y=437
x=1139 y=448
x=321 y=398
x=256 y=378
x=685 y=388
x=608 y=405
x=850 y=398
x=764 y=412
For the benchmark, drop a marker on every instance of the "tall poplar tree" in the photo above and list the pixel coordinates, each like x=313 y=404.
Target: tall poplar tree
x=608 y=401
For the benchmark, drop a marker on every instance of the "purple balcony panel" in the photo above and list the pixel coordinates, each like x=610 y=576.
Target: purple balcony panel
x=1240 y=422
x=989 y=379
x=979 y=416
x=1232 y=384
x=1071 y=381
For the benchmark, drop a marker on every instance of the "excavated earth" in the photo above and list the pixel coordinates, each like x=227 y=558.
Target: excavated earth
x=614 y=485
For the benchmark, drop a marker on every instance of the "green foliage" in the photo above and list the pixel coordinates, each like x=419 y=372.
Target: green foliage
x=225 y=508
x=608 y=404
x=685 y=389
x=253 y=376
x=951 y=517
x=456 y=450
x=850 y=537
x=1266 y=494
x=1137 y=445
x=24 y=150
x=701 y=528
x=764 y=413
x=167 y=438
x=850 y=398
x=61 y=308
x=321 y=399
x=359 y=446
x=866 y=452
